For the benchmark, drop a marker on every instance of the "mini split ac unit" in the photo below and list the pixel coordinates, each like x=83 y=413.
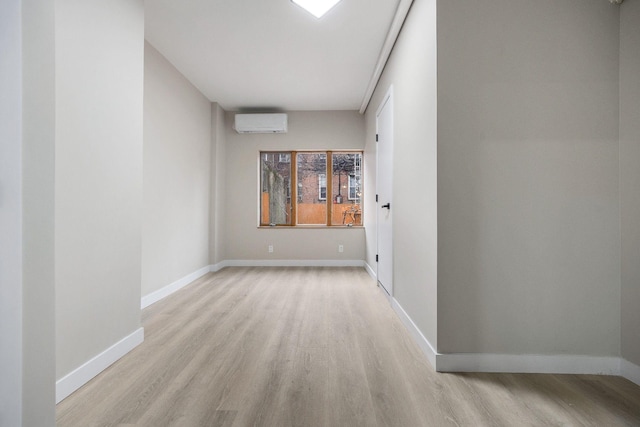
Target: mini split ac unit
x=261 y=123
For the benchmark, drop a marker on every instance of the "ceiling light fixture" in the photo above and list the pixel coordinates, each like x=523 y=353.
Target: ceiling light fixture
x=316 y=7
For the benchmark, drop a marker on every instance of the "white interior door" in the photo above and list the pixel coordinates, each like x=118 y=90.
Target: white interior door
x=384 y=131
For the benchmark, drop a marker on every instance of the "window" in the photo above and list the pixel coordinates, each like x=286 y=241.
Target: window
x=275 y=201
x=346 y=194
x=354 y=187
x=284 y=157
x=311 y=209
x=295 y=188
x=322 y=186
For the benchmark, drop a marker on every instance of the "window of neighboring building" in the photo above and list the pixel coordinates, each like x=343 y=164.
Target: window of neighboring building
x=354 y=187
x=295 y=188
x=322 y=186
x=284 y=158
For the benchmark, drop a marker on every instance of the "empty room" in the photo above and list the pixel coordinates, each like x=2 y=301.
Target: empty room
x=309 y=213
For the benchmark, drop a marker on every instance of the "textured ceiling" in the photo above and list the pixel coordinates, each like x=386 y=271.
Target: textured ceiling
x=272 y=54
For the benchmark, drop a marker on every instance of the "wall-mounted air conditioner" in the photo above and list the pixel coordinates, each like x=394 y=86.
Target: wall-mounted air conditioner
x=261 y=123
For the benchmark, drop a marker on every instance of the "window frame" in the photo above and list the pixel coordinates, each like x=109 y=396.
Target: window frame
x=293 y=195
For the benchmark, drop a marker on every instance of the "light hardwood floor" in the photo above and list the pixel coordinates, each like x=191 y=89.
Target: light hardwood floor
x=316 y=347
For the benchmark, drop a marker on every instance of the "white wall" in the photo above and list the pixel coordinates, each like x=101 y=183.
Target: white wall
x=98 y=179
x=218 y=186
x=177 y=131
x=243 y=240
x=10 y=213
x=528 y=230
x=411 y=70
x=630 y=177
x=38 y=156
x=27 y=347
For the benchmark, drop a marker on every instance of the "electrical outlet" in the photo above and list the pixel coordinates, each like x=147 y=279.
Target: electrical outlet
x=270 y=248
x=340 y=248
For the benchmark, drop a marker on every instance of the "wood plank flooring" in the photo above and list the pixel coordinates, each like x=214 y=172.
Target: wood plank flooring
x=316 y=347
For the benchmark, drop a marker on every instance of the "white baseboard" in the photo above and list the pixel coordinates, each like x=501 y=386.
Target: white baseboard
x=217 y=267
x=371 y=271
x=630 y=371
x=293 y=263
x=449 y=362
x=80 y=376
x=420 y=339
x=156 y=296
x=527 y=363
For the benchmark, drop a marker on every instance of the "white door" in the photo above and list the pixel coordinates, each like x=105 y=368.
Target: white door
x=384 y=136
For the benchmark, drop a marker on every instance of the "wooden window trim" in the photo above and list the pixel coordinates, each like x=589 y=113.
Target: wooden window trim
x=293 y=182
x=329 y=173
x=294 y=189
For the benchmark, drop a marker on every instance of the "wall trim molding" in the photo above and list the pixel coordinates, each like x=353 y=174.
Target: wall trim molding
x=441 y=362
x=417 y=335
x=371 y=271
x=213 y=268
x=528 y=363
x=291 y=263
x=392 y=36
x=83 y=374
x=516 y=363
x=164 y=292
x=630 y=371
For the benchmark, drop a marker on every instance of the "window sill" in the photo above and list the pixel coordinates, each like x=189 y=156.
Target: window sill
x=310 y=227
